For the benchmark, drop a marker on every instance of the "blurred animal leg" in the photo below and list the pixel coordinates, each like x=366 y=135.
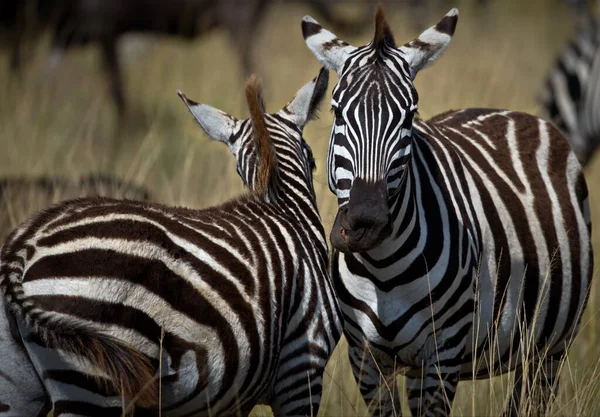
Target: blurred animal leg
x=243 y=27
x=57 y=55
x=15 y=57
x=111 y=61
x=243 y=38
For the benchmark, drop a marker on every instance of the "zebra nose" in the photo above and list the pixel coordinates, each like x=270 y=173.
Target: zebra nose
x=368 y=205
x=365 y=221
x=368 y=216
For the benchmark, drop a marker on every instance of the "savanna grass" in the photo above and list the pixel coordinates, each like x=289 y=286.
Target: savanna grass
x=65 y=125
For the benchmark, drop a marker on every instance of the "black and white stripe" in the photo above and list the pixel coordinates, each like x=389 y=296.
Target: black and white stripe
x=462 y=242
x=241 y=291
x=21 y=391
x=571 y=96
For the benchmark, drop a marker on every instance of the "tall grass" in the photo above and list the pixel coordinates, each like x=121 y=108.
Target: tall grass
x=65 y=124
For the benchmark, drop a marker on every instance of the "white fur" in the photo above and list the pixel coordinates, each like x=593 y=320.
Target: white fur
x=418 y=58
x=300 y=106
x=331 y=58
x=217 y=124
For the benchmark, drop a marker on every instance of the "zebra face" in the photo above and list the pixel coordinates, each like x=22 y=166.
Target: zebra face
x=374 y=103
x=252 y=141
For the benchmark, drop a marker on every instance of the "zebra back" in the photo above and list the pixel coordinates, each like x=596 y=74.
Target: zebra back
x=20 y=197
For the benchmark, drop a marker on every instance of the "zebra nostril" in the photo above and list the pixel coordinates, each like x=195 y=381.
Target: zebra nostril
x=369 y=221
x=343 y=234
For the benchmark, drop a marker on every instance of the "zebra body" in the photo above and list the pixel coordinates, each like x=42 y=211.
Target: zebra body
x=571 y=96
x=464 y=259
x=230 y=306
x=462 y=242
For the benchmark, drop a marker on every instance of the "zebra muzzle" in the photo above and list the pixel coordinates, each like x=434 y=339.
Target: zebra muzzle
x=364 y=222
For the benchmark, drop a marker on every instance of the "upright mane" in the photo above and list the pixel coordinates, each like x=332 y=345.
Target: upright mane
x=383 y=33
x=267 y=160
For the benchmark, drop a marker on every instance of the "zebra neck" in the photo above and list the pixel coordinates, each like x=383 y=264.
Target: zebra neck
x=402 y=206
x=295 y=197
x=403 y=173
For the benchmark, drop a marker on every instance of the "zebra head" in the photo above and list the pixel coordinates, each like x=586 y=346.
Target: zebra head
x=373 y=103
x=268 y=148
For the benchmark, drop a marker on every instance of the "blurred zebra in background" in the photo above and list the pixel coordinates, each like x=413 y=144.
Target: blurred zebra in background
x=571 y=96
x=227 y=307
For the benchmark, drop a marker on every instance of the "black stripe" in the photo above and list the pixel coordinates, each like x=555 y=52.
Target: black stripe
x=155 y=277
x=310 y=29
x=94 y=384
x=85 y=409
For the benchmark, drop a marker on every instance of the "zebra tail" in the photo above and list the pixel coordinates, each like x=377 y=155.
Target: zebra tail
x=128 y=372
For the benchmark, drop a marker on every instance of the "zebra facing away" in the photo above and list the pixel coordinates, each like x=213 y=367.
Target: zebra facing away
x=241 y=291
x=571 y=96
x=462 y=243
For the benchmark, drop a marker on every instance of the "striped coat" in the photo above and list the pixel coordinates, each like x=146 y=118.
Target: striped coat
x=462 y=242
x=212 y=311
x=20 y=197
x=571 y=95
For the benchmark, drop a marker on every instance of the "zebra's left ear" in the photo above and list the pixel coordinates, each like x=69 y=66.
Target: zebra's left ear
x=217 y=124
x=430 y=44
x=305 y=104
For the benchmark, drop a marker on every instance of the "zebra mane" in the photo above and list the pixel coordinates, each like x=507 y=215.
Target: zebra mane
x=383 y=33
x=267 y=160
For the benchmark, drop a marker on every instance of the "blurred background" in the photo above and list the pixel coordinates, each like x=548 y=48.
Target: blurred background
x=88 y=87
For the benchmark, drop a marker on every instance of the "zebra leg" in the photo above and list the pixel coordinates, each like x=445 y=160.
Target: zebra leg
x=534 y=397
x=375 y=375
x=299 y=383
x=433 y=394
x=21 y=391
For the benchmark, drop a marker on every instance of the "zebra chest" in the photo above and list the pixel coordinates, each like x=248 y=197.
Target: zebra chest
x=409 y=319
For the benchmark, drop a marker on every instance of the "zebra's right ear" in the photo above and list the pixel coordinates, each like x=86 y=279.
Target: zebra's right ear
x=217 y=124
x=331 y=51
x=305 y=104
x=430 y=45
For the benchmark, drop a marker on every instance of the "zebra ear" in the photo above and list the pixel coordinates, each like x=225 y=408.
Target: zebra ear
x=216 y=124
x=331 y=51
x=430 y=44
x=305 y=104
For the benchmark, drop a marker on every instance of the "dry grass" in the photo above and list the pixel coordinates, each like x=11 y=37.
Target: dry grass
x=65 y=125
